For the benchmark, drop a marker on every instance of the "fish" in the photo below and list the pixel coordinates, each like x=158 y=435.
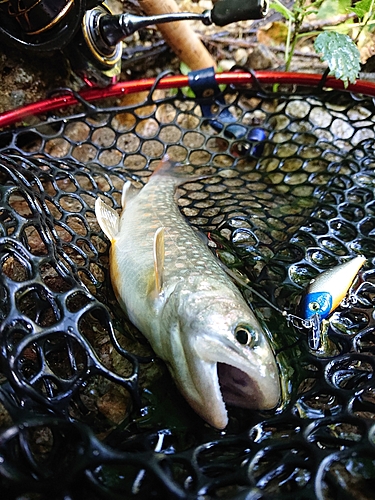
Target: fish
x=174 y=290
x=325 y=292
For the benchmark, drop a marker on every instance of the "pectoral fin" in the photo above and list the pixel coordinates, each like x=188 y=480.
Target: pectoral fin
x=108 y=219
x=159 y=252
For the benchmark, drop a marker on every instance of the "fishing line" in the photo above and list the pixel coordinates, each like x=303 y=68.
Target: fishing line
x=292 y=318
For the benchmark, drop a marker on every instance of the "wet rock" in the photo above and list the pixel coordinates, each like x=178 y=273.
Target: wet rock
x=261 y=57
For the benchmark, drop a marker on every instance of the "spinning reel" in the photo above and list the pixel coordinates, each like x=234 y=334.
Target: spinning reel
x=91 y=35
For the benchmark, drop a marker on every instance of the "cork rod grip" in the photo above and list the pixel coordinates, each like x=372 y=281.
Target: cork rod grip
x=179 y=35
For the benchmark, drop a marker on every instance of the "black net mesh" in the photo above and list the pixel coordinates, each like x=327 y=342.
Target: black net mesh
x=86 y=411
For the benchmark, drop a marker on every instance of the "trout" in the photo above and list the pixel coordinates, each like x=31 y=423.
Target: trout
x=176 y=293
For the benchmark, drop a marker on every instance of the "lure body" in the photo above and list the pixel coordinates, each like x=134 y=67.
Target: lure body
x=325 y=292
x=176 y=293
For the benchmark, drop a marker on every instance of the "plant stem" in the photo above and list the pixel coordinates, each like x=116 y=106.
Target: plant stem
x=299 y=16
x=366 y=21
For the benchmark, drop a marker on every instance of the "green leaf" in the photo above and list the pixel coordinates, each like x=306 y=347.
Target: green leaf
x=341 y=54
x=361 y=8
x=184 y=68
x=344 y=5
x=284 y=11
x=327 y=9
x=331 y=8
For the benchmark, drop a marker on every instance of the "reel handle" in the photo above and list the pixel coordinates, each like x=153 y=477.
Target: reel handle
x=114 y=29
x=231 y=11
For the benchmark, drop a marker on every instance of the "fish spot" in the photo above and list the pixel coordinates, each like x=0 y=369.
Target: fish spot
x=201 y=263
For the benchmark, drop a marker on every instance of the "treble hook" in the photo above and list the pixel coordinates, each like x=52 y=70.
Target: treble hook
x=353 y=297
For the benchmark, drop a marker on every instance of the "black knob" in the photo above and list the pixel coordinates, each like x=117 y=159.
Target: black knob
x=231 y=11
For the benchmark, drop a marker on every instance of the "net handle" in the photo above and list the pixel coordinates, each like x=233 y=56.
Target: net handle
x=13 y=116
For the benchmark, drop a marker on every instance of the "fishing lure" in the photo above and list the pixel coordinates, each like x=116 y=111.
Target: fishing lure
x=325 y=293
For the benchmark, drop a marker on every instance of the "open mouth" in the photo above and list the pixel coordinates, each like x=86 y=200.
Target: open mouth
x=238 y=388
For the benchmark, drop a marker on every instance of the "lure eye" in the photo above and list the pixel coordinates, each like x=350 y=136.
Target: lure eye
x=244 y=336
x=314 y=306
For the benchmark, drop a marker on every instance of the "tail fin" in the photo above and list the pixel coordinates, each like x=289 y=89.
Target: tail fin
x=181 y=172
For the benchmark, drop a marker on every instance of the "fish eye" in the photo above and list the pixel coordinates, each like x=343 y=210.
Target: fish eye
x=244 y=335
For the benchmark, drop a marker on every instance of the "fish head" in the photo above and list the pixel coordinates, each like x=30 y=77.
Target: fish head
x=219 y=354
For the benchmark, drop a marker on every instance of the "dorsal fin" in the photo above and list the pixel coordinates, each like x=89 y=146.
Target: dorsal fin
x=128 y=192
x=159 y=253
x=108 y=219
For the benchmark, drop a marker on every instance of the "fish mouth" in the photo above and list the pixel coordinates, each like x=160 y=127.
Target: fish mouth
x=220 y=373
x=238 y=388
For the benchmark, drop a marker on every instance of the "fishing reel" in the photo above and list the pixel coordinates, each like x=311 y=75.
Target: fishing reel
x=91 y=36
x=41 y=25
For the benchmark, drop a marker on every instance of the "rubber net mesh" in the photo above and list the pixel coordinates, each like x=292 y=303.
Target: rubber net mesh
x=86 y=410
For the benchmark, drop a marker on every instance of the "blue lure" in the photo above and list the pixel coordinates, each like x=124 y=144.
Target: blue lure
x=325 y=294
